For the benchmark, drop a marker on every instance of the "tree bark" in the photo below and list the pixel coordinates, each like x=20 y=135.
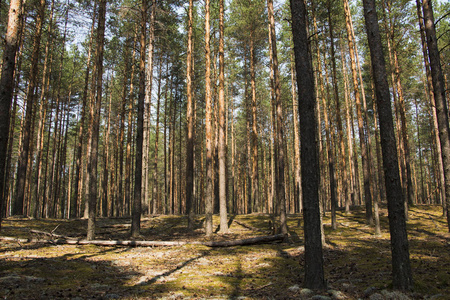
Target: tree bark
x=18 y=205
x=7 y=88
x=222 y=128
x=439 y=97
x=280 y=123
x=314 y=275
x=155 y=160
x=362 y=135
x=127 y=199
x=190 y=123
x=209 y=201
x=137 y=200
x=401 y=269
x=92 y=164
x=79 y=165
x=337 y=101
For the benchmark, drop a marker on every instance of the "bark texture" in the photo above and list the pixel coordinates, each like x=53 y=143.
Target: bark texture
x=314 y=275
x=401 y=269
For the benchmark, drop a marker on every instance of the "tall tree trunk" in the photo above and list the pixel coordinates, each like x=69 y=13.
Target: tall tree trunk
x=155 y=161
x=43 y=113
x=314 y=275
x=7 y=88
x=362 y=134
x=297 y=180
x=121 y=195
x=401 y=269
x=105 y=195
x=147 y=113
x=137 y=201
x=222 y=128
x=209 y=200
x=92 y=163
x=280 y=126
x=190 y=123
x=337 y=101
x=429 y=86
x=439 y=97
x=18 y=205
x=329 y=144
x=127 y=199
x=381 y=193
x=79 y=164
x=254 y=131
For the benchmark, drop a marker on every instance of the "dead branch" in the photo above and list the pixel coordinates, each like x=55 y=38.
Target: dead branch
x=50 y=234
x=250 y=227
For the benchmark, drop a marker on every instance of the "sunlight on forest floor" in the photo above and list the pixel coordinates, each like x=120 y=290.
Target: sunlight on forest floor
x=354 y=260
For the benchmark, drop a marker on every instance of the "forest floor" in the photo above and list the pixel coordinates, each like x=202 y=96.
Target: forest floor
x=357 y=264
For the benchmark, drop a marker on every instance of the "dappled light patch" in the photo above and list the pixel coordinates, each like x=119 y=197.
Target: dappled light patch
x=356 y=262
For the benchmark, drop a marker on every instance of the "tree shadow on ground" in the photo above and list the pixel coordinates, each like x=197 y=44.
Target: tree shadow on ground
x=63 y=277
x=353 y=261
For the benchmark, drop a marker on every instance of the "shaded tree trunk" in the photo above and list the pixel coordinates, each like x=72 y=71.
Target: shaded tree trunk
x=401 y=269
x=7 y=88
x=314 y=275
x=439 y=97
x=137 y=200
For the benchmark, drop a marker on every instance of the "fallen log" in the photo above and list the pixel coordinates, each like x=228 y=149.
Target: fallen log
x=59 y=241
x=122 y=226
x=249 y=241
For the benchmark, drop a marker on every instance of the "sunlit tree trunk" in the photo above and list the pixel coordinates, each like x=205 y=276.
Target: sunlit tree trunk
x=281 y=198
x=297 y=177
x=208 y=129
x=222 y=129
x=190 y=123
x=121 y=137
x=78 y=189
x=343 y=165
x=362 y=134
x=155 y=160
x=147 y=113
x=105 y=182
x=92 y=164
x=42 y=115
x=18 y=205
x=128 y=164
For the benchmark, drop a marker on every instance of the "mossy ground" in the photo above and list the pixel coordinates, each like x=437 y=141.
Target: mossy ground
x=354 y=260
